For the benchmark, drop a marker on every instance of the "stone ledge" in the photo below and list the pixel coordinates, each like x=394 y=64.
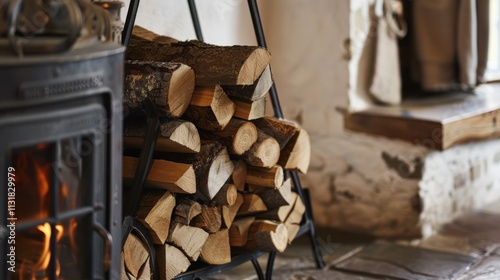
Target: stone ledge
x=391 y=188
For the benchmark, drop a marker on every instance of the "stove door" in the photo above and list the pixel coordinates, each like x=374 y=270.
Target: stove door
x=54 y=165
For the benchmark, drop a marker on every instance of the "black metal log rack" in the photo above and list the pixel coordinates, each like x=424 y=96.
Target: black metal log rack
x=133 y=226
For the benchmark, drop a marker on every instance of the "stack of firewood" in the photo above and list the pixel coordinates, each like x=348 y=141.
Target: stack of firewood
x=216 y=183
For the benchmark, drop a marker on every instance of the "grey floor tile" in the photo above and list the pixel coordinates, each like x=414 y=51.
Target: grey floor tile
x=404 y=262
x=487 y=269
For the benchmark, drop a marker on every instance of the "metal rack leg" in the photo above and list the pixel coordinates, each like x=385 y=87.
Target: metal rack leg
x=258 y=269
x=129 y=21
x=195 y=19
x=261 y=41
x=270 y=265
x=318 y=256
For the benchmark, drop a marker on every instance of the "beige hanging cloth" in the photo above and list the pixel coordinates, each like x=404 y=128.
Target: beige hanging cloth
x=451 y=42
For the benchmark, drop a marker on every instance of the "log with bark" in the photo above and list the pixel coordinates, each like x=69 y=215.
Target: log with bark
x=297 y=152
x=172 y=176
x=209 y=219
x=275 y=198
x=226 y=195
x=210 y=108
x=249 y=110
x=294 y=219
x=252 y=204
x=265 y=152
x=238 y=232
x=175 y=135
x=267 y=236
x=212 y=167
x=281 y=130
x=252 y=92
x=185 y=210
x=266 y=177
x=154 y=212
x=238 y=136
x=168 y=85
x=213 y=65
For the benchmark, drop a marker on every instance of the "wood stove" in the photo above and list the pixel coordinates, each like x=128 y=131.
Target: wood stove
x=60 y=154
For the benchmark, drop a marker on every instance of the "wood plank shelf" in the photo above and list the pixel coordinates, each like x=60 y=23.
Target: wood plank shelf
x=436 y=122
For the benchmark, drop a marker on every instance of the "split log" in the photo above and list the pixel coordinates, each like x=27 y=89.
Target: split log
x=186 y=210
x=216 y=249
x=209 y=219
x=135 y=254
x=172 y=176
x=233 y=209
x=168 y=85
x=225 y=213
x=264 y=153
x=252 y=204
x=210 y=108
x=226 y=195
x=154 y=212
x=142 y=33
x=124 y=274
x=249 y=110
x=252 y=92
x=238 y=233
x=297 y=152
x=281 y=130
x=229 y=65
x=239 y=175
x=238 y=136
x=145 y=273
x=267 y=236
x=275 y=198
x=177 y=136
x=294 y=219
x=171 y=261
x=278 y=214
x=271 y=178
x=187 y=238
x=212 y=167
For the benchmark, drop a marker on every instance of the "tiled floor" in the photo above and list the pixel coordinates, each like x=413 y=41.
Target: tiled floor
x=468 y=248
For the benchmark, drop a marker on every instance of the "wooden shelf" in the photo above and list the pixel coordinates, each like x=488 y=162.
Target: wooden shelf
x=437 y=122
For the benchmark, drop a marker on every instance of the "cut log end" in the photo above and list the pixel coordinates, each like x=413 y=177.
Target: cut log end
x=180 y=90
x=245 y=137
x=275 y=241
x=253 y=67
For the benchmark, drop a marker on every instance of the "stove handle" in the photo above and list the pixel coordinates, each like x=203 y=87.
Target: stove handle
x=108 y=239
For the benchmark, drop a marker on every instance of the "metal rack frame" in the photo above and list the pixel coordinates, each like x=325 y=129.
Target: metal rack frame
x=132 y=226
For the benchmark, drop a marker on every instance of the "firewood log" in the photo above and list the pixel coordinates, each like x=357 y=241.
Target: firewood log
x=238 y=232
x=252 y=204
x=185 y=210
x=168 y=85
x=278 y=214
x=226 y=195
x=249 y=110
x=172 y=176
x=171 y=261
x=210 y=108
x=177 y=136
x=267 y=236
x=294 y=219
x=264 y=153
x=145 y=273
x=209 y=219
x=229 y=65
x=135 y=254
x=212 y=167
x=239 y=175
x=266 y=177
x=252 y=92
x=187 y=238
x=275 y=198
x=142 y=33
x=225 y=213
x=154 y=212
x=216 y=249
x=297 y=152
x=238 y=136
x=233 y=209
x=281 y=130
